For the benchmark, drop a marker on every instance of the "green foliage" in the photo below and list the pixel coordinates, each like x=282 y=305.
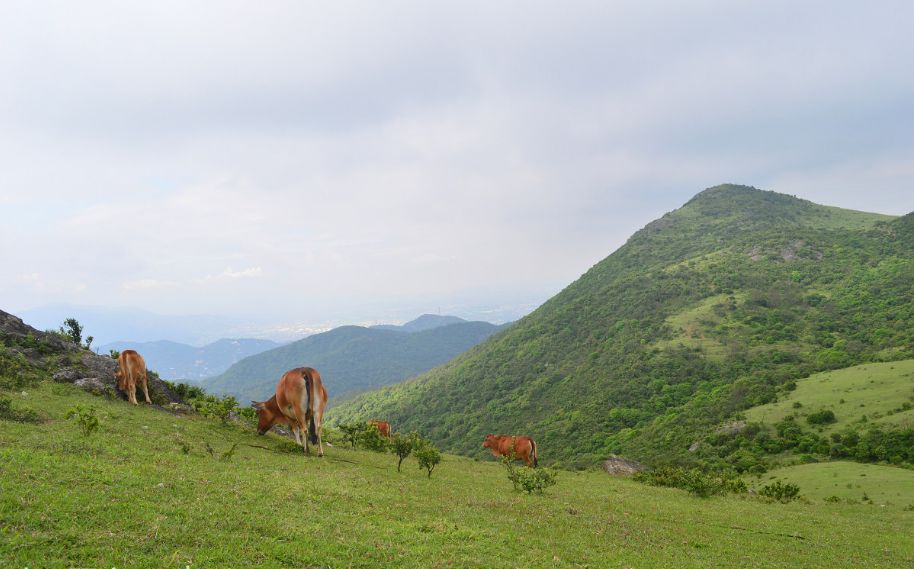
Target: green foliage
x=824 y=417
x=780 y=491
x=372 y=439
x=85 y=418
x=352 y=432
x=72 y=330
x=115 y=354
x=427 y=455
x=210 y=405
x=403 y=445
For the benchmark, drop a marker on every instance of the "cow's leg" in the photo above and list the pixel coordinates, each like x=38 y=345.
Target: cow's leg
x=297 y=433
x=131 y=391
x=318 y=419
x=302 y=426
x=146 y=391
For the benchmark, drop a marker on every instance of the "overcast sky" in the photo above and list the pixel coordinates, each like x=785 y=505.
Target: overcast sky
x=337 y=162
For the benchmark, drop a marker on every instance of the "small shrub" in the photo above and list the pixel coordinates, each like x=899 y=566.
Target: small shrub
x=428 y=456
x=86 y=419
x=833 y=499
x=780 y=491
x=528 y=479
x=909 y=508
x=824 y=417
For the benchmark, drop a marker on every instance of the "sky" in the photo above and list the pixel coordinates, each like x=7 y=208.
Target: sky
x=323 y=163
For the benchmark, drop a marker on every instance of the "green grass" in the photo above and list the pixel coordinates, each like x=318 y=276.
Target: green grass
x=875 y=390
x=128 y=496
x=885 y=486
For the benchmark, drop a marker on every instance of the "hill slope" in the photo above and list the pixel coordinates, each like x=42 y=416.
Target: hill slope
x=176 y=361
x=709 y=310
x=351 y=358
x=143 y=491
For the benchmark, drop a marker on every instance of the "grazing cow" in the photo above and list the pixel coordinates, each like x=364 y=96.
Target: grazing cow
x=299 y=402
x=383 y=427
x=518 y=446
x=131 y=369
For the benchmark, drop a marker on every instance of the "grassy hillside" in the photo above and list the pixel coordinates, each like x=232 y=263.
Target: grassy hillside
x=128 y=496
x=713 y=308
x=849 y=482
x=352 y=358
x=878 y=394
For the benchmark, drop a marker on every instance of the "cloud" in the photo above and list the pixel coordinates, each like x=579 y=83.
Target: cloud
x=379 y=161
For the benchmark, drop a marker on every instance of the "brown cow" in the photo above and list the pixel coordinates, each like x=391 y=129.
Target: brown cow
x=131 y=368
x=519 y=446
x=383 y=427
x=299 y=402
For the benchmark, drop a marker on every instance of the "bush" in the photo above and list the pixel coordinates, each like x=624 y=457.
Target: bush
x=528 y=479
x=213 y=406
x=86 y=419
x=428 y=455
x=372 y=439
x=780 y=491
x=694 y=481
x=823 y=417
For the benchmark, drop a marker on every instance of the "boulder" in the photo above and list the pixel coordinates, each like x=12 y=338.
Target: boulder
x=618 y=466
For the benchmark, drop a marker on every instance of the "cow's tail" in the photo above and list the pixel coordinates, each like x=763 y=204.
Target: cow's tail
x=535 y=454
x=309 y=388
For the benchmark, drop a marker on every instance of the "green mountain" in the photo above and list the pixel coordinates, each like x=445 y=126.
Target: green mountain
x=353 y=359
x=713 y=308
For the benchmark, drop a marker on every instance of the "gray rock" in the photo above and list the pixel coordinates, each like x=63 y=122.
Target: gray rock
x=618 y=466
x=93 y=385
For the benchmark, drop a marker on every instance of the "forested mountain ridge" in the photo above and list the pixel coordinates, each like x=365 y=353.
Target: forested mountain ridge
x=352 y=358
x=711 y=309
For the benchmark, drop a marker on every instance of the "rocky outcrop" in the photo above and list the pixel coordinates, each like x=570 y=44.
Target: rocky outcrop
x=72 y=363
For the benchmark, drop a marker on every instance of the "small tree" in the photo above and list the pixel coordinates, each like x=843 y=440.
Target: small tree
x=428 y=455
x=403 y=446
x=73 y=330
x=352 y=432
x=114 y=354
x=89 y=342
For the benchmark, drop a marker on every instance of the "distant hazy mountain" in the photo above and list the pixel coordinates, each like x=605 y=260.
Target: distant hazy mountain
x=173 y=360
x=424 y=322
x=353 y=358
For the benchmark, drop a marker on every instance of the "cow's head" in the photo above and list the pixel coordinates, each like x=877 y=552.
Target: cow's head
x=490 y=442
x=119 y=376
x=268 y=414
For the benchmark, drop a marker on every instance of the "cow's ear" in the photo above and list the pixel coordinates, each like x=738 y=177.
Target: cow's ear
x=256 y=405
